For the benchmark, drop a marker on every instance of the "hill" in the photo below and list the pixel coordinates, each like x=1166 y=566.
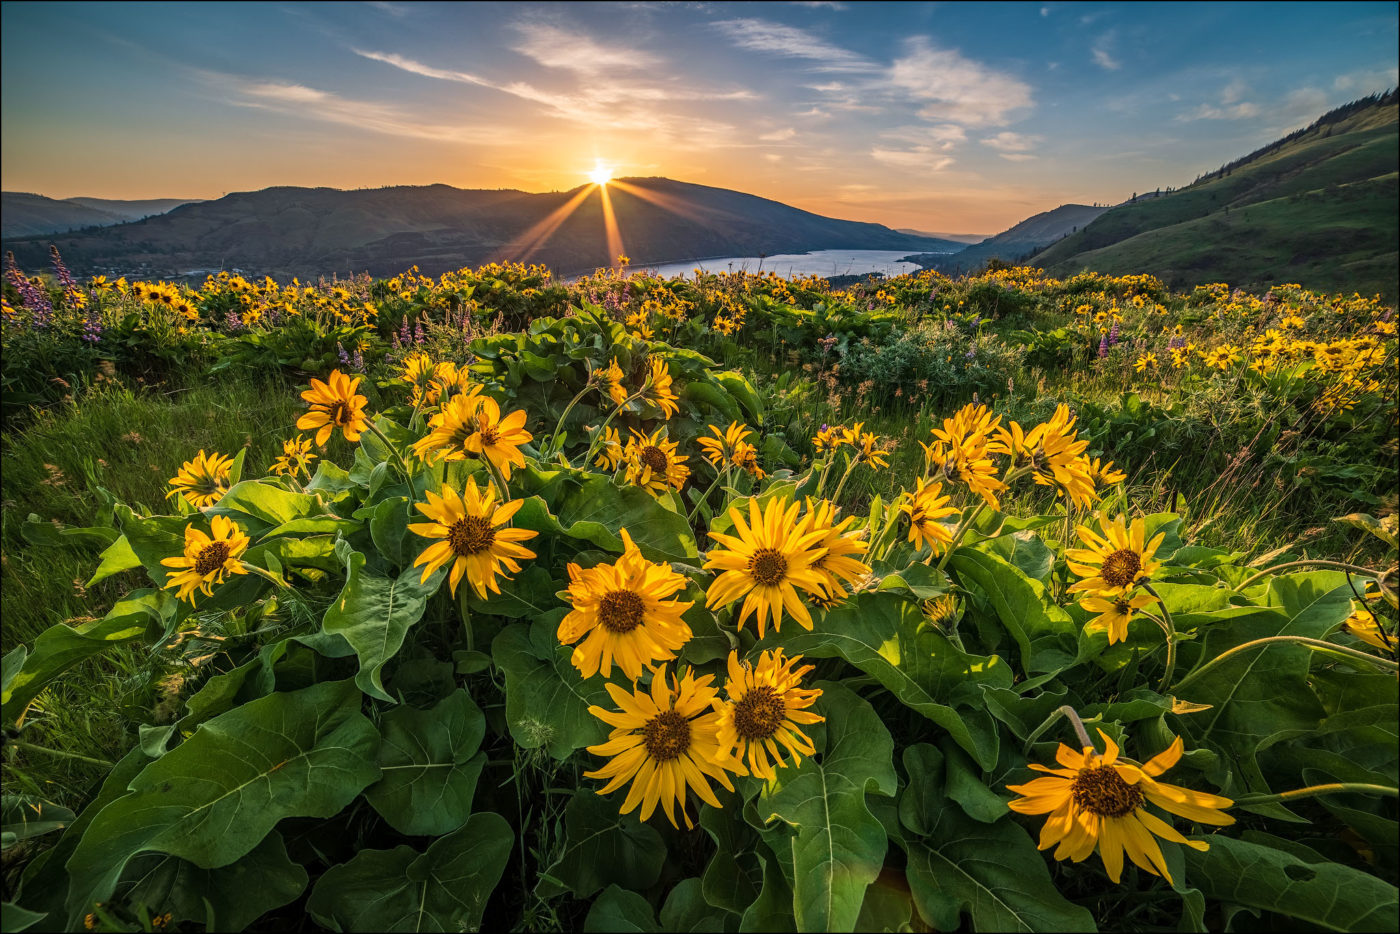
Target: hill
x=1316 y=207
x=31 y=215
x=1019 y=241
x=957 y=237
x=309 y=232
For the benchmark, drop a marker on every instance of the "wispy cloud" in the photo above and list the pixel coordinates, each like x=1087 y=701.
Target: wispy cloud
x=944 y=136
x=778 y=136
x=1017 y=156
x=1102 y=54
x=556 y=47
x=924 y=158
x=1231 y=105
x=758 y=35
x=1007 y=142
x=313 y=103
x=819 y=4
x=955 y=88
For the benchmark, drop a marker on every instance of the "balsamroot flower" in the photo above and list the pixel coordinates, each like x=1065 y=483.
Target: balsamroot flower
x=623 y=613
x=207 y=558
x=473 y=536
x=925 y=507
x=1116 y=561
x=1100 y=801
x=203 y=480
x=334 y=404
x=765 y=561
x=662 y=741
x=766 y=708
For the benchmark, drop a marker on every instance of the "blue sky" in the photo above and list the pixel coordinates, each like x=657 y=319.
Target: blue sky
x=946 y=117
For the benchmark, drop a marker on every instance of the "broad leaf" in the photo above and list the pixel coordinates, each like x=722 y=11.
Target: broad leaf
x=546 y=700
x=602 y=847
x=214 y=797
x=839 y=845
x=443 y=889
x=430 y=766
x=374 y=614
x=617 y=909
x=1044 y=633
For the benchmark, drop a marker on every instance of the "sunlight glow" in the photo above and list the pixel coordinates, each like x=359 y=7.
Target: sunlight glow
x=601 y=174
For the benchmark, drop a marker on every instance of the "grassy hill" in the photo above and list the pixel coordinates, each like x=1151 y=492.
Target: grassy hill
x=1316 y=207
x=1021 y=240
x=31 y=215
x=308 y=232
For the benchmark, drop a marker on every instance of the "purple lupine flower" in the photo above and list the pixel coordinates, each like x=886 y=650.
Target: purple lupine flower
x=33 y=297
x=970 y=354
x=233 y=322
x=976 y=320
x=358 y=361
x=60 y=271
x=395 y=337
x=92 y=324
x=418 y=331
x=405 y=335
x=1103 y=347
x=344 y=357
x=1113 y=333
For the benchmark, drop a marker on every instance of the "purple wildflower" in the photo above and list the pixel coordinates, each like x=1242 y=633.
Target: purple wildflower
x=233 y=322
x=344 y=357
x=32 y=296
x=357 y=362
x=1113 y=333
x=1103 y=347
x=92 y=324
x=405 y=335
x=418 y=331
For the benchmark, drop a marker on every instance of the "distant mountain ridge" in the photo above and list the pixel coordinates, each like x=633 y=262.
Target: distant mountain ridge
x=309 y=232
x=24 y=214
x=1020 y=240
x=1317 y=207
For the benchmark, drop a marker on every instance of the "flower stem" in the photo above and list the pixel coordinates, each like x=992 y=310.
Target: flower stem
x=1306 y=562
x=398 y=458
x=850 y=466
x=1316 y=644
x=549 y=449
x=497 y=479
x=963 y=525
x=719 y=475
x=603 y=428
x=21 y=744
x=1168 y=630
x=1070 y=714
x=1312 y=791
x=266 y=574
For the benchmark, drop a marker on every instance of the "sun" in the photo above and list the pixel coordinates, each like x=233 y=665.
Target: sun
x=601 y=174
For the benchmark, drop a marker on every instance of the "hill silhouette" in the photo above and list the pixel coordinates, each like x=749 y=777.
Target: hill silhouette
x=309 y=232
x=28 y=215
x=1017 y=241
x=1316 y=207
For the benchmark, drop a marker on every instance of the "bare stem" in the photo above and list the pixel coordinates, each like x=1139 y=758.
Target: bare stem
x=398 y=458
x=1307 y=562
x=1070 y=714
x=1315 y=644
x=1168 y=630
x=1312 y=791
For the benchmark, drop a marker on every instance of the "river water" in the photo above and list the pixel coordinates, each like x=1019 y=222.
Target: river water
x=824 y=263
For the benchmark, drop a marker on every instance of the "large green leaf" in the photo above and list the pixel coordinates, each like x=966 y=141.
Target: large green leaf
x=374 y=614
x=60 y=647
x=597 y=511
x=115 y=558
x=685 y=909
x=993 y=872
x=238 y=894
x=1262 y=691
x=214 y=797
x=546 y=700
x=260 y=506
x=733 y=877
x=443 y=889
x=618 y=910
x=1044 y=633
x=839 y=845
x=772 y=910
x=602 y=847
x=430 y=765
x=1327 y=894
x=880 y=634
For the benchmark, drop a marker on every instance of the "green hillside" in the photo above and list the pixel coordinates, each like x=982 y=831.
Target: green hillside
x=1317 y=208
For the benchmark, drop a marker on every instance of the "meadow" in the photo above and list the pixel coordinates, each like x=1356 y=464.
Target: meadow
x=486 y=601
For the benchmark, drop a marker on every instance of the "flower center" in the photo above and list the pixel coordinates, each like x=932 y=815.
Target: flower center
x=340 y=413
x=759 y=713
x=768 y=566
x=489 y=434
x=1103 y=791
x=653 y=457
x=1121 y=567
x=666 y=736
x=471 y=534
x=211 y=557
x=620 y=611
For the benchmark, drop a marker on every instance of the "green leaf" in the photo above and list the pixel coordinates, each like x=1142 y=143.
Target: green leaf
x=620 y=910
x=374 y=614
x=116 y=558
x=546 y=700
x=686 y=910
x=239 y=893
x=1329 y=895
x=880 y=634
x=993 y=872
x=597 y=511
x=259 y=506
x=839 y=845
x=733 y=876
x=25 y=816
x=38 y=532
x=888 y=906
x=773 y=909
x=443 y=889
x=20 y=919
x=602 y=847
x=215 y=796
x=430 y=765
x=60 y=647
x=1044 y=633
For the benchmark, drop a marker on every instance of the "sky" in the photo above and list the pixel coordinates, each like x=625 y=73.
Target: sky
x=942 y=117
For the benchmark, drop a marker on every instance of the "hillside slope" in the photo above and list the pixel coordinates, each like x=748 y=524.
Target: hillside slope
x=1317 y=207
x=1024 y=238
x=320 y=231
x=30 y=215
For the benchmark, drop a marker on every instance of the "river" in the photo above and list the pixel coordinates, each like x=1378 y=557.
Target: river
x=826 y=263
